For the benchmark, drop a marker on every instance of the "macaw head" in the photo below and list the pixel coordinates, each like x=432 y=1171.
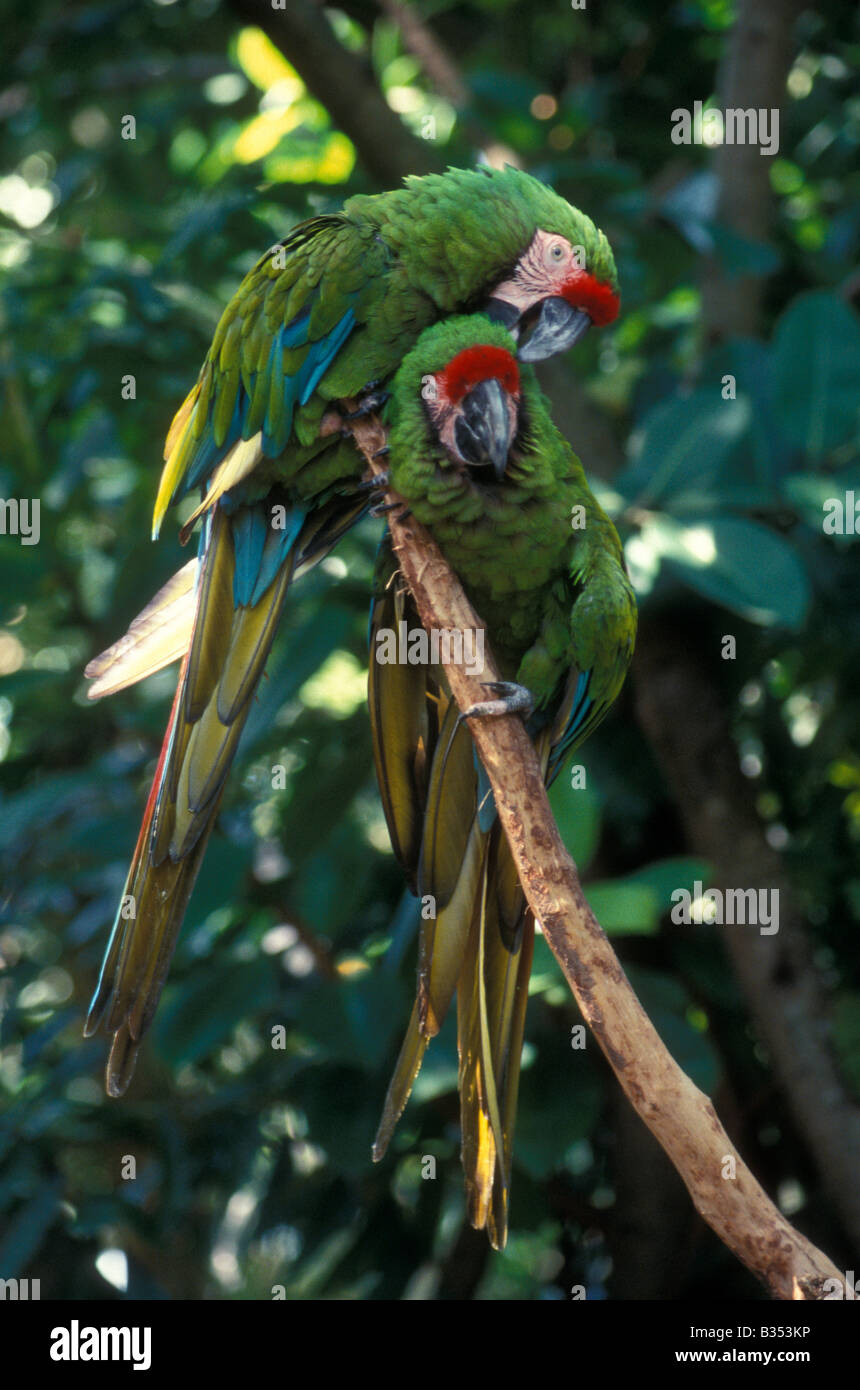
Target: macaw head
x=503 y=243
x=551 y=297
x=473 y=407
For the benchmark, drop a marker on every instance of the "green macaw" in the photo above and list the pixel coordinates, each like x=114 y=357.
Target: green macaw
x=477 y=459
x=327 y=314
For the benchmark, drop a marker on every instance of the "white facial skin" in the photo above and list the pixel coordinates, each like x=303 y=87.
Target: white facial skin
x=541 y=273
x=444 y=414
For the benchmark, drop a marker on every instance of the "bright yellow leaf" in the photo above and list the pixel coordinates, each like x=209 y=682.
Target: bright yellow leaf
x=262 y=63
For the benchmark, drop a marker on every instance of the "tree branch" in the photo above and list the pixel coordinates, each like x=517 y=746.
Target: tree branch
x=345 y=85
x=753 y=74
x=442 y=72
x=678 y=1114
x=776 y=973
x=426 y=47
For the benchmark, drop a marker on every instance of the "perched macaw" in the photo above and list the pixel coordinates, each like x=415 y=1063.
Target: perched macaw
x=327 y=314
x=477 y=459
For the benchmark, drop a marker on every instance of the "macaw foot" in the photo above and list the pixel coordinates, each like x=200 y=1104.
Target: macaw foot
x=381 y=508
x=369 y=401
x=336 y=421
x=378 y=483
x=377 y=487
x=513 y=699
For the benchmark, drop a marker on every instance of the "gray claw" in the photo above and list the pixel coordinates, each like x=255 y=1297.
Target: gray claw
x=370 y=401
x=378 y=483
x=513 y=699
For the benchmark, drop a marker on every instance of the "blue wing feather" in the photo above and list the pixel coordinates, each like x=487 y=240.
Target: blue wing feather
x=249 y=538
x=580 y=712
x=289 y=391
x=279 y=543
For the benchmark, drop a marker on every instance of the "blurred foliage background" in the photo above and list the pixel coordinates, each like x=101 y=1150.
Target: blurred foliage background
x=252 y=1162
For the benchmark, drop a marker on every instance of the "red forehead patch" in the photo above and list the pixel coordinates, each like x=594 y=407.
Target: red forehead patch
x=585 y=291
x=476 y=364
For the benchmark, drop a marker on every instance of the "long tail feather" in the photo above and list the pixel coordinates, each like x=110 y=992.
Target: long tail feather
x=475 y=934
x=492 y=995
x=509 y=1068
x=161 y=633
x=218 y=678
x=399 y=1088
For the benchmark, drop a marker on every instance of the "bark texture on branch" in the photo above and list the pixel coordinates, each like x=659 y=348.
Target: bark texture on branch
x=753 y=74
x=678 y=1114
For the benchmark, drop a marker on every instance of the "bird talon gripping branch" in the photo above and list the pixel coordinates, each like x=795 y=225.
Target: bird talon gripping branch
x=370 y=400
x=513 y=699
x=377 y=485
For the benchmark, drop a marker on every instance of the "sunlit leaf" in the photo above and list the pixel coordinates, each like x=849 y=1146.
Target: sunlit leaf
x=735 y=562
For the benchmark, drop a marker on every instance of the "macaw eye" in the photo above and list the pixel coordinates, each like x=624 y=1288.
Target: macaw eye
x=429 y=388
x=556 y=251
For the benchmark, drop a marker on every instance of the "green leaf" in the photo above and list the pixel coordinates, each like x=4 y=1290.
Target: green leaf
x=577 y=815
x=686 y=449
x=667 y=875
x=43 y=802
x=636 y=903
x=25 y=1233
x=439 y=1072
x=735 y=562
x=816 y=372
x=808 y=492
x=200 y=1013
x=220 y=882
x=342 y=1017
x=625 y=906
x=748 y=361
x=741 y=256
x=559 y=1104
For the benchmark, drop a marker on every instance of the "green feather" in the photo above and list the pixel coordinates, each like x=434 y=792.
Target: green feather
x=399 y=262
x=556 y=603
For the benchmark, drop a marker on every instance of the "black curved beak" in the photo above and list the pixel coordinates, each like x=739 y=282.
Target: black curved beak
x=558 y=327
x=500 y=311
x=483 y=428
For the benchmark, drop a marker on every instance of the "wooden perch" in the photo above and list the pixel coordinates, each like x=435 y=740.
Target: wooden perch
x=681 y=1117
